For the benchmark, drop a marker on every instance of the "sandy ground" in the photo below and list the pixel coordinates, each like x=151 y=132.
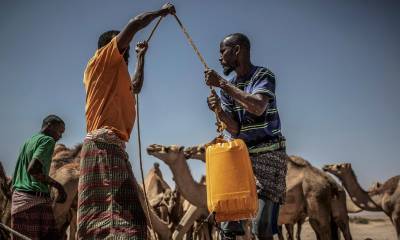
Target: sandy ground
x=382 y=229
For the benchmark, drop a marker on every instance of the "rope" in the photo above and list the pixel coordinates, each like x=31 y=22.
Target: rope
x=14 y=232
x=191 y=43
x=220 y=125
x=140 y=143
x=154 y=29
x=141 y=165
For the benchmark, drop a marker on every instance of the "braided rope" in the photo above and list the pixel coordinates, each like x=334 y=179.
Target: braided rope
x=140 y=144
x=220 y=125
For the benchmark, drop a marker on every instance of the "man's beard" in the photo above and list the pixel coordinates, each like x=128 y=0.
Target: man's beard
x=227 y=70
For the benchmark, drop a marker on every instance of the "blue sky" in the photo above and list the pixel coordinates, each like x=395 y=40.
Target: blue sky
x=337 y=65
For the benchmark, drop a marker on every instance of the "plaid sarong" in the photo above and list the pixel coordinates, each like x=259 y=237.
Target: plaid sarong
x=33 y=217
x=108 y=204
x=270 y=170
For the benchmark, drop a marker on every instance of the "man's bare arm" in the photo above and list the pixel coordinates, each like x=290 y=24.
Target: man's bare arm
x=139 y=22
x=35 y=169
x=254 y=103
x=138 y=76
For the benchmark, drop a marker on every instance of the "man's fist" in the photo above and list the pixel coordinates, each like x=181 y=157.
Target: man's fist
x=168 y=8
x=213 y=79
x=141 y=47
x=214 y=102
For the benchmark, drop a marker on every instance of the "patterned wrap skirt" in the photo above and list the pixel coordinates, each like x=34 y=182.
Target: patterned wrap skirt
x=33 y=217
x=270 y=170
x=108 y=203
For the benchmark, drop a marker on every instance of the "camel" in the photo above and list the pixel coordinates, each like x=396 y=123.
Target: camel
x=383 y=197
x=294 y=211
x=68 y=176
x=65 y=169
x=5 y=202
x=318 y=189
x=159 y=193
x=65 y=213
x=63 y=155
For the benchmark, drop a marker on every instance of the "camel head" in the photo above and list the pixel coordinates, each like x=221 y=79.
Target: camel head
x=338 y=169
x=59 y=148
x=157 y=170
x=196 y=152
x=5 y=185
x=374 y=187
x=168 y=154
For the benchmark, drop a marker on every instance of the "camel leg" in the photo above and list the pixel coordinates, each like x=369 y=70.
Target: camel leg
x=319 y=215
x=160 y=227
x=73 y=225
x=289 y=229
x=396 y=222
x=299 y=226
x=280 y=234
x=340 y=216
x=345 y=228
x=187 y=221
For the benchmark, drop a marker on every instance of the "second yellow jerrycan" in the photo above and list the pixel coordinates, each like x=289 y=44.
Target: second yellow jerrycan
x=231 y=188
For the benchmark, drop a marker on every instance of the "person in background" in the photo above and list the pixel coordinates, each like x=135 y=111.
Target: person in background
x=31 y=206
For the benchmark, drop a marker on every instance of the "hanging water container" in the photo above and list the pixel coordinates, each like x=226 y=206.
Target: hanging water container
x=231 y=188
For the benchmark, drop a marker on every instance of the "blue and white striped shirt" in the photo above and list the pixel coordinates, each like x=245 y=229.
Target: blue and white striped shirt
x=255 y=130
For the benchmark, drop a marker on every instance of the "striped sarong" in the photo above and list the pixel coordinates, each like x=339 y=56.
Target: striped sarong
x=108 y=204
x=33 y=217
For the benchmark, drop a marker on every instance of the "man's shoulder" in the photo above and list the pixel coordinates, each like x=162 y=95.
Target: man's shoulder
x=42 y=139
x=262 y=73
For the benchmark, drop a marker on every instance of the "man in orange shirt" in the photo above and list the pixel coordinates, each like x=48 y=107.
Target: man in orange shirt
x=108 y=204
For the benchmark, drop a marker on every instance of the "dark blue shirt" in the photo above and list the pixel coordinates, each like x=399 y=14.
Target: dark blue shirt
x=255 y=130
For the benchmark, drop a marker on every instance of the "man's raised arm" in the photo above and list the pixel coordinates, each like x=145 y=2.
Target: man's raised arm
x=137 y=23
x=138 y=76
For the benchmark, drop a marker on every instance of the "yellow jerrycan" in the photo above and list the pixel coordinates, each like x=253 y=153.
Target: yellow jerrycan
x=231 y=187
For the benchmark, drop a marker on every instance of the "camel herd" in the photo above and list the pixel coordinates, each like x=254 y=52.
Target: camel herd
x=181 y=213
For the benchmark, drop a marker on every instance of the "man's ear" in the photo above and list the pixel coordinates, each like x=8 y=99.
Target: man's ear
x=237 y=49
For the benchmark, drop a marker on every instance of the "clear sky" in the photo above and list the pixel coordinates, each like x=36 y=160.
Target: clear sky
x=337 y=65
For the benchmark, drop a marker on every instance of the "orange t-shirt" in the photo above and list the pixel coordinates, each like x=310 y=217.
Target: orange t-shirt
x=109 y=99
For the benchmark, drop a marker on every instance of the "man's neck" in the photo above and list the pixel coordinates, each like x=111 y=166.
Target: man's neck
x=45 y=132
x=243 y=69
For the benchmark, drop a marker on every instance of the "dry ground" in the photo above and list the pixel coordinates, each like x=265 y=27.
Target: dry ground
x=378 y=227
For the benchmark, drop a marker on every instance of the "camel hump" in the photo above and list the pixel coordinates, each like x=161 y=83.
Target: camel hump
x=3 y=175
x=299 y=161
x=72 y=169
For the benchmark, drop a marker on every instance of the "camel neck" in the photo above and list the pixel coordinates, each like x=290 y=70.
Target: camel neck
x=357 y=194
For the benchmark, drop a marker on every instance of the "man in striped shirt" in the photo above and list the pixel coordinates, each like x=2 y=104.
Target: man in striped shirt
x=248 y=108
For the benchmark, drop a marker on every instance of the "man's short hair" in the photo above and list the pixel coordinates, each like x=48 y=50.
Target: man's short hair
x=238 y=39
x=106 y=37
x=52 y=119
